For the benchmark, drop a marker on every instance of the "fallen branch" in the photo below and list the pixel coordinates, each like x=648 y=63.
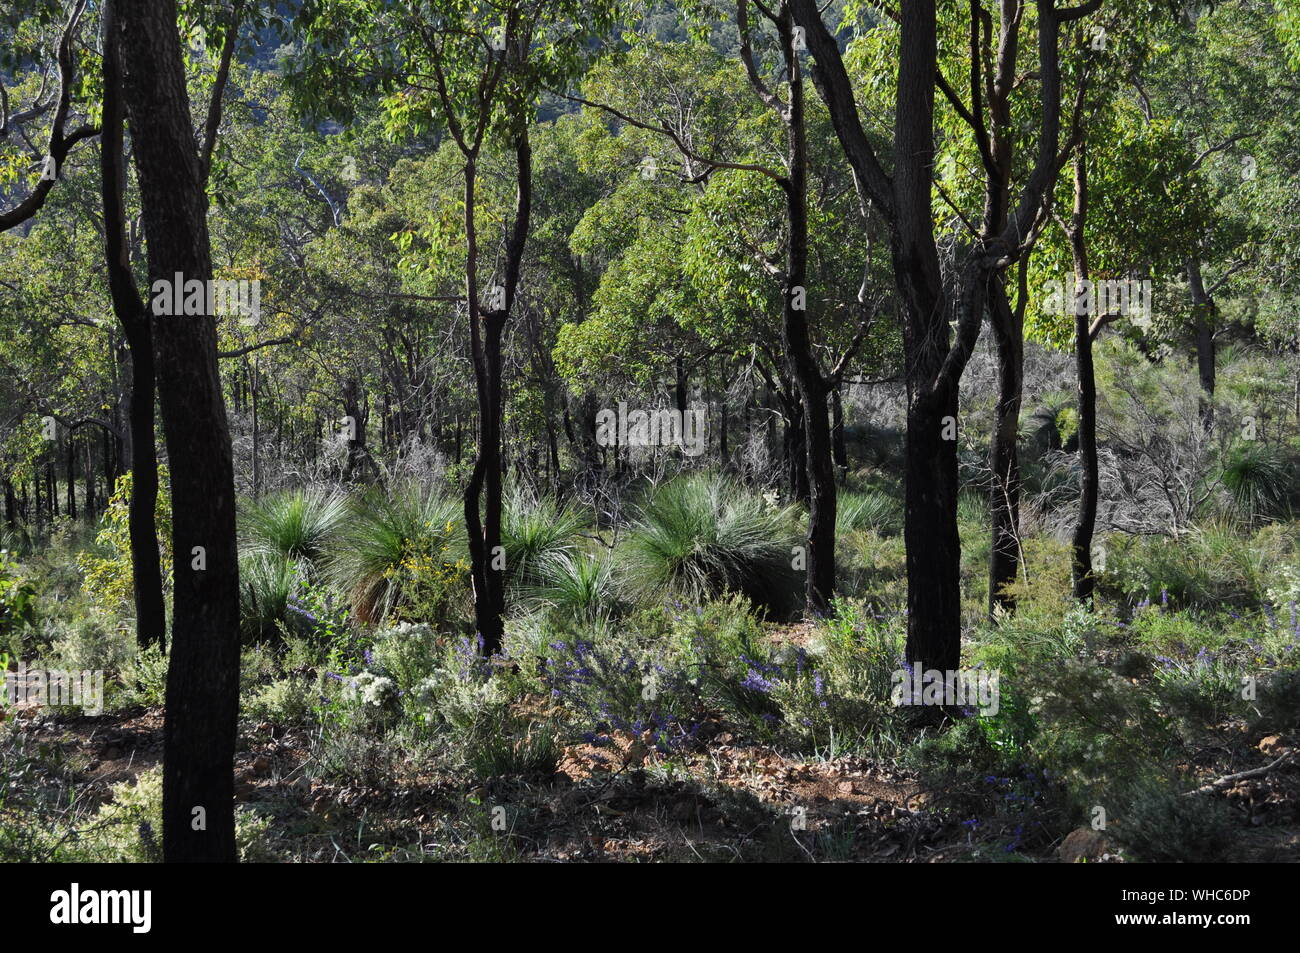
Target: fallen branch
x=1226 y=780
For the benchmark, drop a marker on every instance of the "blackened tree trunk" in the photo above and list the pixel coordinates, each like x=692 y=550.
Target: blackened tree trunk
x=1004 y=456
x=487 y=557
x=819 y=583
x=357 y=413
x=203 y=677
x=71 y=461
x=146 y=562
x=1083 y=583
x=1204 y=312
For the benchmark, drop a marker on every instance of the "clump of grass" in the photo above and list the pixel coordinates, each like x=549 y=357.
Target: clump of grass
x=298 y=525
x=700 y=536
x=399 y=545
x=580 y=586
x=872 y=509
x=267 y=585
x=1260 y=479
x=534 y=531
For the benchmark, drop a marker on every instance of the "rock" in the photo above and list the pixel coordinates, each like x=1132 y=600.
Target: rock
x=1271 y=745
x=1082 y=844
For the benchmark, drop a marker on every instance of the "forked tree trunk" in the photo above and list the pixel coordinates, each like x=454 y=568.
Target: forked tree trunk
x=487 y=557
x=203 y=676
x=146 y=562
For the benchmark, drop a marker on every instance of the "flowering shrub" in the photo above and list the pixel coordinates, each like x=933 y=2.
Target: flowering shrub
x=108 y=577
x=620 y=681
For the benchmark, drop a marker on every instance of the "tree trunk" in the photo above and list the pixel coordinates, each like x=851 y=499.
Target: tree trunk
x=839 y=445
x=487 y=562
x=1004 y=457
x=1204 y=311
x=71 y=456
x=146 y=562
x=816 y=464
x=203 y=677
x=1083 y=583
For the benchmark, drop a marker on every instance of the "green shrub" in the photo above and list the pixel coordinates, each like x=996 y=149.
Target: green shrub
x=534 y=531
x=403 y=556
x=700 y=536
x=145 y=678
x=268 y=585
x=107 y=572
x=580 y=586
x=1260 y=478
x=1161 y=825
x=835 y=695
x=297 y=526
x=128 y=829
x=285 y=701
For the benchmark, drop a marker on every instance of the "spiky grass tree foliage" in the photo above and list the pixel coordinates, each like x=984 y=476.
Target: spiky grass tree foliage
x=401 y=546
x=299 y=525
x=702 y=535
x=870 y=509
x=533 y=531
x=579 y=585
x=267 y=583
x=1260 y=479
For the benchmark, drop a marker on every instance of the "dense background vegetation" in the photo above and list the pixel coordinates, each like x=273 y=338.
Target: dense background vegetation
x=469 y=626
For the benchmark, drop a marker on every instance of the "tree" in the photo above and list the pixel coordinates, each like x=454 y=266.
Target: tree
x=930 y=306
x=203 y=677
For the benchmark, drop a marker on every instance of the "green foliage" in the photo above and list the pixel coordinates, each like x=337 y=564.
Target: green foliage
x=580 y=586
x=17 y=600
x=403 y=556
x=874 y=509
x=108 y=576
x=533 y=532
x=1261 y=479
x=701 y=536
x=297 y=526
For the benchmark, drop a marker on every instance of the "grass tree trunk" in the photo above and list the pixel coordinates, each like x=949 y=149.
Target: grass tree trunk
x=203 y=676
x=146 y=563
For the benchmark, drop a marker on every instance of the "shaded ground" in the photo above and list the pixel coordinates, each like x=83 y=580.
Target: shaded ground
x=725 y=800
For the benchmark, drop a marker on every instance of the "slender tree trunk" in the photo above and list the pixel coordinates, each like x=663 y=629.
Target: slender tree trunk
x=816 y=464
x=203 y=677
x=487 y=557
x=839 y=444
x=1083 y=583
x=1004 y=456
x=70 y=457
x=1204 y=312
x=146 y=561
